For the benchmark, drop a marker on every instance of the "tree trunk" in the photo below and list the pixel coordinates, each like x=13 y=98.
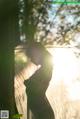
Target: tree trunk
x=8 y=36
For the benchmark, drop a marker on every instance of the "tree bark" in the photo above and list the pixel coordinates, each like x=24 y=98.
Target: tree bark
x=8 y=37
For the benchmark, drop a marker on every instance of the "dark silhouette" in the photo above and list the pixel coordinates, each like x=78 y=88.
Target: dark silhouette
x=37 y=84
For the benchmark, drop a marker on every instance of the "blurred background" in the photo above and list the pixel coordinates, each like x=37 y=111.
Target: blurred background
x=57 y=27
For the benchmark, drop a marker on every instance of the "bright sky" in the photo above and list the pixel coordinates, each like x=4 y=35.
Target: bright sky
x=70 y=19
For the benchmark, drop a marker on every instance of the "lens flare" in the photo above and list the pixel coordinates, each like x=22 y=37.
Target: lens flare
x=66 y=71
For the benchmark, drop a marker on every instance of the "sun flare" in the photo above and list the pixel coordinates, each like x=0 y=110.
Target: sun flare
x=66 y=70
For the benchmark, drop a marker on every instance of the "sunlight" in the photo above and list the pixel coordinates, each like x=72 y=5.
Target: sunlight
x=63 y=91
x=66 y=71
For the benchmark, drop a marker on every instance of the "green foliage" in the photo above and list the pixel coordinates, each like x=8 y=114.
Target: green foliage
x=35 y=12
x=50 y=23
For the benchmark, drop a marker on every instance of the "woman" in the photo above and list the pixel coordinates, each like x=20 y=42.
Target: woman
x=38 y=83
